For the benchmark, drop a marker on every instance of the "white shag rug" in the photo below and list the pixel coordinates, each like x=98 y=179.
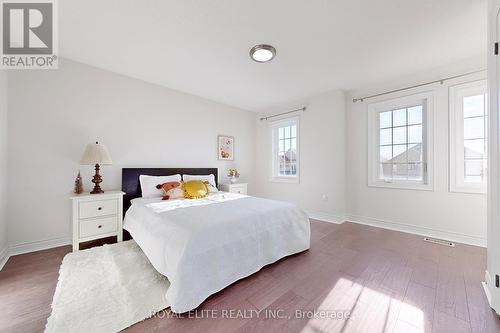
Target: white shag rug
x=106 y=289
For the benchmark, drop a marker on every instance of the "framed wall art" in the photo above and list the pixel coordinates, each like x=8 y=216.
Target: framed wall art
x=225 y=147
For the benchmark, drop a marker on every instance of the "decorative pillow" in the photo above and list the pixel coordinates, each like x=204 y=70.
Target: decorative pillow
x=148 y=184
x=195 y=189
x=209 y=178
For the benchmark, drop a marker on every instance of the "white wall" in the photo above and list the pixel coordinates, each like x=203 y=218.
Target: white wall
x=440 y=213
x=3 y=165
x=54 y=114
x=322 y=158
x=333 y=147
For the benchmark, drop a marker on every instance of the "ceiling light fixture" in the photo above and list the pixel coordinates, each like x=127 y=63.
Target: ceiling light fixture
x=262 y=53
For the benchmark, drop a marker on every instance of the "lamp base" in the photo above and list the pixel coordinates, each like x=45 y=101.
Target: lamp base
x=97 y=180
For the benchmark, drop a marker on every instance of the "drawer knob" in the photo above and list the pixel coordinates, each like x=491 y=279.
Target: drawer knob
x=100 y=208
x=99 y=226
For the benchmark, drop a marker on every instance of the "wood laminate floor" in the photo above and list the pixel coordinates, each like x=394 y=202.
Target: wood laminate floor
x=382 y=280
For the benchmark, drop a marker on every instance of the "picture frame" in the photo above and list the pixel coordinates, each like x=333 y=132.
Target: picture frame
x=225 y=147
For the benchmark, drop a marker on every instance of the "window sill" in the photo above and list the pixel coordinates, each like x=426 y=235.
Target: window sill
x=468 y=190
x=292 y=180
x=402 y=186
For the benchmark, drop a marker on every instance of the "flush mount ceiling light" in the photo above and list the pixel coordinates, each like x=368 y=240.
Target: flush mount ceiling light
x=262 y=53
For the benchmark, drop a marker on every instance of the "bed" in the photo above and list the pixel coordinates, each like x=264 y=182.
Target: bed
x=204 y=245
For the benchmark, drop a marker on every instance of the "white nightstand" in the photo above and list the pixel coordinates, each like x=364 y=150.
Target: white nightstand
x=234 y=188
x=97 y=216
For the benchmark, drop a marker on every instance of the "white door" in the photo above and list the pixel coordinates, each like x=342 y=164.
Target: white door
x=492 y=283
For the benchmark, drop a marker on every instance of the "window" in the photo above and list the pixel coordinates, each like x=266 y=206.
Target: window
x=400 y=142
x=285 y=150
x=468 y=137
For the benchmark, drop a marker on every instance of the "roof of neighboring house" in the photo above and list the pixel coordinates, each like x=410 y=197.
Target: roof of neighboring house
x=291 y=155
x=415 y=152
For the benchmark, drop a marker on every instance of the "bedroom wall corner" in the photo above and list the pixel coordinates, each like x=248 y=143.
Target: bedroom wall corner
x=142 y=125
x=321 y=188
x=438 y=213
x=3 y=168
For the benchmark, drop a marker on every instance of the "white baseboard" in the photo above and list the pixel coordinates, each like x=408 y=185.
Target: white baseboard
x=38 y=245
x=13 y=250
x=418 y=230
x=4 y=256
x=326 y=217
x=408 y=228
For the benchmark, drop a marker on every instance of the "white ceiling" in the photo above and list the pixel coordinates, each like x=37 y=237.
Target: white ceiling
x=201 y=47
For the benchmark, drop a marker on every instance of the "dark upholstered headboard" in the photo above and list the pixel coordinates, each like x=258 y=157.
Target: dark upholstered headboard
x=132 y=187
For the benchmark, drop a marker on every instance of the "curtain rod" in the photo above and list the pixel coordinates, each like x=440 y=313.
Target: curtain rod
x=361 y=99
x=280 y=114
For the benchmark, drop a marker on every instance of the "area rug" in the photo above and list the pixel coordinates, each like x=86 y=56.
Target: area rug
x=106 y=289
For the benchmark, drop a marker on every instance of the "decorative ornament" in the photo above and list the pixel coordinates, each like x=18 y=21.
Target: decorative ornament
x=78 y=184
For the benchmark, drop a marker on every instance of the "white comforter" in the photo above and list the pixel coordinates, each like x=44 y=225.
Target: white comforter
x=204 y=245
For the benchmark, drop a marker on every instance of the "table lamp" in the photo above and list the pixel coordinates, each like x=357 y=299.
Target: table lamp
x=96 y=154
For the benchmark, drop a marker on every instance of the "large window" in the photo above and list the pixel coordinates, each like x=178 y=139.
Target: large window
x=468 y=137
x=285 y=150
x=399 y=149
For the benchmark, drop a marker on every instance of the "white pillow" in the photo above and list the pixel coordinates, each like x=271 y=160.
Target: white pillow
x=209 y=178
x=212 y=189
x=148 y=184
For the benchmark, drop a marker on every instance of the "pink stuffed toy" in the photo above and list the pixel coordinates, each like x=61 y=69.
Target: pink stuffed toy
x=167 y=187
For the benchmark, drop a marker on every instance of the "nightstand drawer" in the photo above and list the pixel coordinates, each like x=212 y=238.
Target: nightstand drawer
x=239 y=189
x=90 y=228
x=90 y=209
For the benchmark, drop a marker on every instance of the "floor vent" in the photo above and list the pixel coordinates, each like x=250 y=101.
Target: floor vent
x=439 y=241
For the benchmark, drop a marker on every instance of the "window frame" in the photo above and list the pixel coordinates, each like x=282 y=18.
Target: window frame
x=426 y=99
x=456 y=136
x=274 y=126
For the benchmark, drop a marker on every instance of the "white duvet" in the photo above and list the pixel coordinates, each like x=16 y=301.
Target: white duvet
x=204 y=245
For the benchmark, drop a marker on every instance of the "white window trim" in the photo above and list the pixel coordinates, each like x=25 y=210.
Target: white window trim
x=457 y=137
x=374 y=138
x=274 y=163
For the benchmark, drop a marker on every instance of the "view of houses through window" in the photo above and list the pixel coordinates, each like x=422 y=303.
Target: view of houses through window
x=475 y=140
x=400 y=145
x=287 y=150
x=468 y=137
